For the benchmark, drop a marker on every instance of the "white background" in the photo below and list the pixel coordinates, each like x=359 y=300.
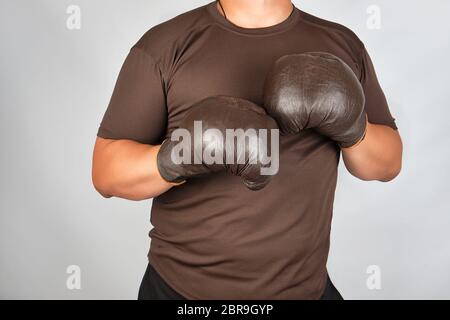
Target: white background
x=56 y=84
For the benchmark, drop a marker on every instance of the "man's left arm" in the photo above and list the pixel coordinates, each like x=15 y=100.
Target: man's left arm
x=379 y=155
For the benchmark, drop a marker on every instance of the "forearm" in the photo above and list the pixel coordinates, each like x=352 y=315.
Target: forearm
x=127 y=169
x=377 y=157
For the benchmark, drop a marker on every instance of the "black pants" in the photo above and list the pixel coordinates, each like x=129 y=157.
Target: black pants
x=153 y=287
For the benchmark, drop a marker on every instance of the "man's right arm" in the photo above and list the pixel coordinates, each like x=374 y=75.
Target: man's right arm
x=127 y=169
x=133 y=126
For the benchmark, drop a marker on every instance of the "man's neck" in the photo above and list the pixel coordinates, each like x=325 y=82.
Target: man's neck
x=256 y=13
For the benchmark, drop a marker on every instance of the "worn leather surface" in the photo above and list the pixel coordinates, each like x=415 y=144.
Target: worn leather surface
x=221 y=113
x=317 y=91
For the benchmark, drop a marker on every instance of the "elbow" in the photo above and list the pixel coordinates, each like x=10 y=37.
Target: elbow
x=392 y=172
x=105 y=194
x=395 y=166
x=382 y=174
x=101 y=186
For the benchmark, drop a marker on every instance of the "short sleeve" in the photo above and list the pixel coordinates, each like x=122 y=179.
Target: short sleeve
x=377 y=108
x=137 y=109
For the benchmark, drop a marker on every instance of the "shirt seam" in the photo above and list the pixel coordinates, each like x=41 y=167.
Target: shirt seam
x=255 y=35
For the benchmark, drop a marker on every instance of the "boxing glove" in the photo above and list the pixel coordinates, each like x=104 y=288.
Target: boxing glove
x=223 y=134
x=316 y=91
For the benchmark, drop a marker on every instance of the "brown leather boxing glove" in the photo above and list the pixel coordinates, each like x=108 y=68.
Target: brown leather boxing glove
x=226 y=134
x=316 y=91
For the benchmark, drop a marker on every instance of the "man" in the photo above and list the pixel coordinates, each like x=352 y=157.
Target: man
x=213 y=238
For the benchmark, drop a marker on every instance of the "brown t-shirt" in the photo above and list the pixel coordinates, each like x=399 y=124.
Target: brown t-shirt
x=212 y=237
